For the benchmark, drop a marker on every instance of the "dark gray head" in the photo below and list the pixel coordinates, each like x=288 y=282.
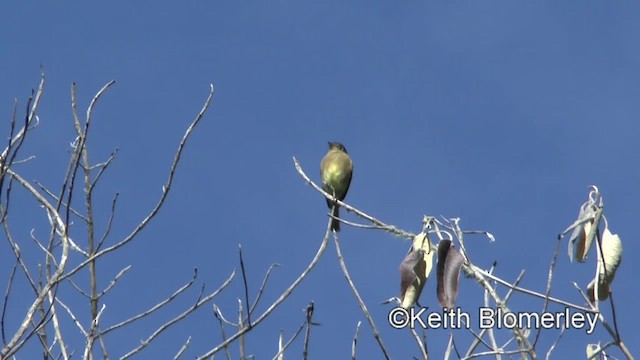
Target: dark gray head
x=337 y=146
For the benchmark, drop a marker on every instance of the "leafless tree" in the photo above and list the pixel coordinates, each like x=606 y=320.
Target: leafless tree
x=63 y=257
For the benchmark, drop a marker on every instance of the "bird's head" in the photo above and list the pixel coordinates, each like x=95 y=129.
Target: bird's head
x=337 y=146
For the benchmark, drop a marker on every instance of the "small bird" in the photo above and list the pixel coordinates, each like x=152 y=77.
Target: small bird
x=336 y=169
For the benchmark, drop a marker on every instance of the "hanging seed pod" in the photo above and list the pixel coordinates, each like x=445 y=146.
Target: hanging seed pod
x=448 y=273
x=415 y=270
x=612 y=256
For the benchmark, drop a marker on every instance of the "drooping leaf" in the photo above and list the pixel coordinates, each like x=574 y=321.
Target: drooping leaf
x=422 y=241
x=582 y=236
x=410 y=280
x=612 y=256
x=584 y=242
x=592 y=349
x=448 y=273
x=415 y=270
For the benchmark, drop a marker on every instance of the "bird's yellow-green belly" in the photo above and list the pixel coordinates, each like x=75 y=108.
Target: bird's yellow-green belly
x=336 y=178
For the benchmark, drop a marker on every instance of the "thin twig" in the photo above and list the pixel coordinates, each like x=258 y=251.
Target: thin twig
x=182 y=349
x=263 y=286
x=283 y=348
x=55 y=197
x=246 y=286
x=103 y=167
x=179 y=317
x=363 y=307
x=421 y=345
x=109 y=223
x=275 y=304
x=157 y=306
x=221 y=320
x=217 y=312
x=240 y=327
x=474 y=268
x=56 y=325
x=16 y=252
x=90 y=336
x=73 y=317
x=115 y=280
x=547 y=294
x=165 y=191
x=355 y=341
x=5 y=302
x=553 y=346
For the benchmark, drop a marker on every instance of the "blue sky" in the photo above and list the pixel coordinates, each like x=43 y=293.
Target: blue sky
x=500 y=113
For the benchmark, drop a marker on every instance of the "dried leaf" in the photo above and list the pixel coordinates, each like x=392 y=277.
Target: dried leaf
x=410 y=281
x=592 y=349
x=415 y=270
x=448 y=273
x=612 y=256
x=582 y=238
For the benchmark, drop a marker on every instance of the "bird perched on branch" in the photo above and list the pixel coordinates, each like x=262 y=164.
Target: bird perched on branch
x=336 y=169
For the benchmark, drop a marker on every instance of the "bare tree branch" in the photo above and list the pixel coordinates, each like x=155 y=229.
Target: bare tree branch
x=181 y=316
x=363 y=307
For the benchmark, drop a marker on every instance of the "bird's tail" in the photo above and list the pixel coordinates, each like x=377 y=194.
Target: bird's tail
x=335 y=224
